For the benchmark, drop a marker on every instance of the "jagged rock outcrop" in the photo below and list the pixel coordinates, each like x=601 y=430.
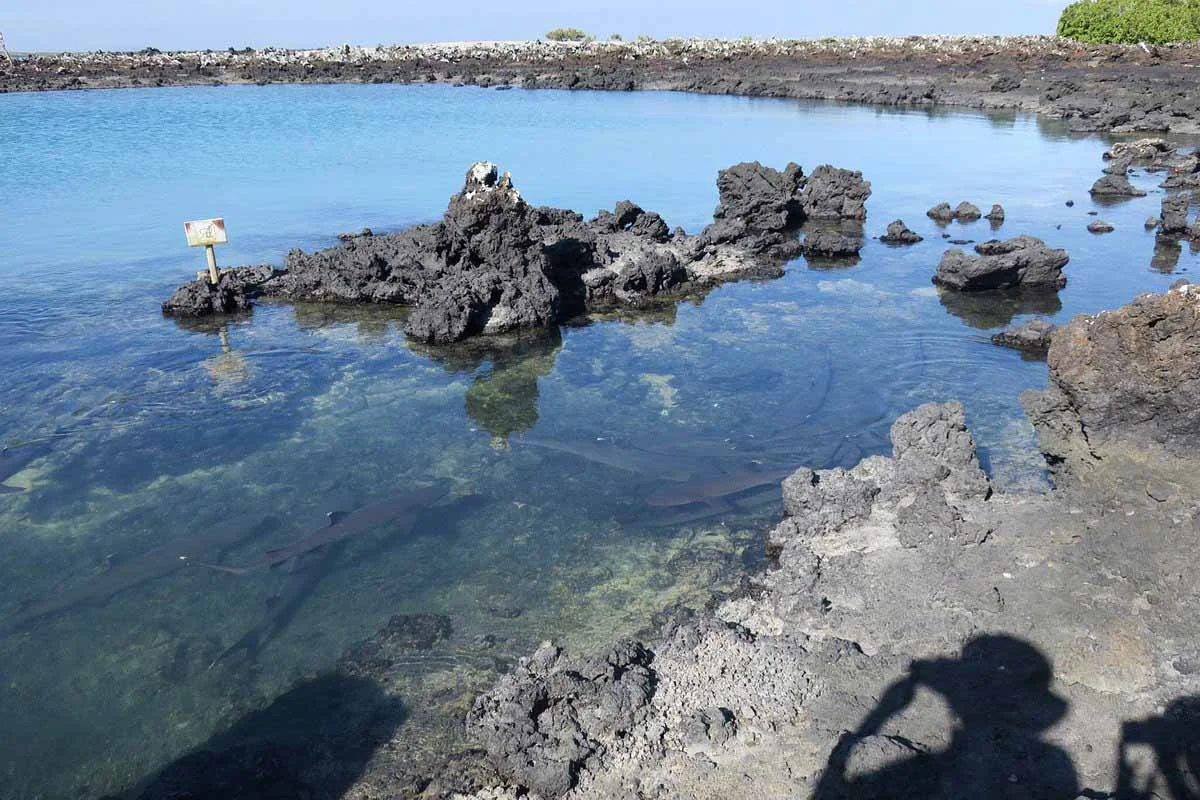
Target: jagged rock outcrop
x=763 y=198
x=1032 y=337
x=231 y=294
x=996 y=215
x=1124 y=381
x=831 y=193
x=1020 y=262
x=544 y=721
x=899 y=233
x=495 y=264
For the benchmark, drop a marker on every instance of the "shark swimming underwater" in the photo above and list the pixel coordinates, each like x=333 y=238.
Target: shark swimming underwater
x=310 y=568
x=342 y=526
x=627 y=458
x=210 y=543
x=715 y=490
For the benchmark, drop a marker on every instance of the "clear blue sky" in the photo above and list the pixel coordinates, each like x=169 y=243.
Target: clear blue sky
x=175 y=24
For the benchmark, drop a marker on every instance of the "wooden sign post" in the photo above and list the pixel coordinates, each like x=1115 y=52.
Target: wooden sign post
x=206 y=233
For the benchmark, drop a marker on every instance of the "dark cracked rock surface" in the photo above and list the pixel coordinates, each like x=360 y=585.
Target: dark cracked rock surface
x=231 y=294
x=496 y=264
x=1024 y=261
x=899 y=233
x=1122 y=88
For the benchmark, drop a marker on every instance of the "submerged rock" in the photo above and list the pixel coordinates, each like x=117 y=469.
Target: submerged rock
x=1115 y=186
x=1124 y=380
x=899 y=233
x=1020 y=262
x=1032 y=337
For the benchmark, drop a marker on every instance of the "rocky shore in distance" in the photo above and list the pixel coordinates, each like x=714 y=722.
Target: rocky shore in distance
x=1121 y=88
x=496 y=264
x=918 y=631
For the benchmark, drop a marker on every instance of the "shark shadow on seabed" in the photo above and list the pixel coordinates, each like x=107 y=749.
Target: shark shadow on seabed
x=308 y=570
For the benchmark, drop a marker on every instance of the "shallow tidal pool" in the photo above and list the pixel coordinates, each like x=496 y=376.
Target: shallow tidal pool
x=140 y=446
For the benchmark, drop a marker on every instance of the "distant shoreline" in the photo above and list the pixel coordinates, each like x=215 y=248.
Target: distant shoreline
x=1109 y=88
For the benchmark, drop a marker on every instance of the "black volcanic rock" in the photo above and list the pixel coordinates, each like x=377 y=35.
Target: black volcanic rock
x=232 y=293
x=899 y=233
x=1021 y=262
x=1115 y=186
x=832 y=193
x=832 y=244
x=495 y=264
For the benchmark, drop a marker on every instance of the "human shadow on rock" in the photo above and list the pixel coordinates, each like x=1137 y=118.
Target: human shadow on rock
x=996 y=308
x=1173 y=744
x=998 y=689
x=313 y=742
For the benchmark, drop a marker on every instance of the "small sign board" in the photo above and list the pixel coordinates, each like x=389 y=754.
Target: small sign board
x=205 y=232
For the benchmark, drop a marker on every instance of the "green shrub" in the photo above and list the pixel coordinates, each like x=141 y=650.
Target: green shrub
x=616 y=37
x=1131 y=21
x=566 y=35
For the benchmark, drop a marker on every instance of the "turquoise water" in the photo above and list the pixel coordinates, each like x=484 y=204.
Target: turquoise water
x=148 y=432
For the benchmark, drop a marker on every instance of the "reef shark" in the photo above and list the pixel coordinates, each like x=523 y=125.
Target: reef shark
x=715 y=490
x=210 y=543
x=310 y=570
x=15 y=459
x=629 y=458
x=342 y=525
x=307 y=573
